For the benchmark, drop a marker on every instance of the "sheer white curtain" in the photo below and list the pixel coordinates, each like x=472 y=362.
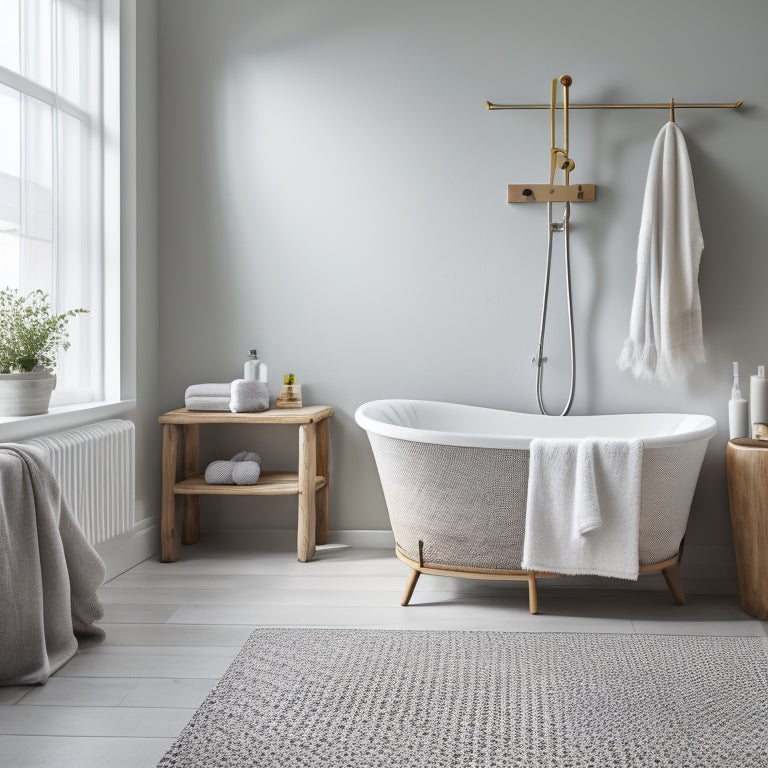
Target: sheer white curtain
x=52 y=160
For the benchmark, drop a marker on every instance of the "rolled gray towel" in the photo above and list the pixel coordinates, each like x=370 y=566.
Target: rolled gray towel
x=247 y=456
x=247 y=396
x=243 y=468
x=219 y=473
x=245 y=472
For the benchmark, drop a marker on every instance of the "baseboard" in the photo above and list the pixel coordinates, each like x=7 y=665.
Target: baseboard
x=366 y=539
x=363 y=539
x=709 y=570
x=122 y=552
x=705 y=569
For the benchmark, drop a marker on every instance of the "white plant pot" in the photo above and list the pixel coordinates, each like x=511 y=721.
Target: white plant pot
x=25 y=394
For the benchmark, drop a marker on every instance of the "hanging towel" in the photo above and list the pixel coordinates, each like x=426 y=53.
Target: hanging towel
x=665 y=334
x=583 y=509
x=49 y=573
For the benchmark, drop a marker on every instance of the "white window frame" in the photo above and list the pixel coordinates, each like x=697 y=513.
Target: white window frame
x=115 y=358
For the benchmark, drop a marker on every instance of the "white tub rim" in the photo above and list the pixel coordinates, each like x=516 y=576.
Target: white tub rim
x=656 y=430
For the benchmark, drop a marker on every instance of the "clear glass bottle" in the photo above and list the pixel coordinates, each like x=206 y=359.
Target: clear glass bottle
x=254 y=369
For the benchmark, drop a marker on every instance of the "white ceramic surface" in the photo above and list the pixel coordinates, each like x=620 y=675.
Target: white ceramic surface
x=426 y=421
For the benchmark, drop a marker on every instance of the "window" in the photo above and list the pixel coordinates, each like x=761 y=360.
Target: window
x=59 y=137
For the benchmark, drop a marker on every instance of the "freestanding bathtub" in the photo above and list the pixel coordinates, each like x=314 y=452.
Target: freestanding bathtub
x=455 y=480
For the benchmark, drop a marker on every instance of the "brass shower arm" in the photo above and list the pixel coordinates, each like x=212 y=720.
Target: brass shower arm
x=567 y=164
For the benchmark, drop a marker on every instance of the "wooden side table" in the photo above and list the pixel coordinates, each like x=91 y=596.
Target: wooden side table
x=181 y=475
x=746 y=463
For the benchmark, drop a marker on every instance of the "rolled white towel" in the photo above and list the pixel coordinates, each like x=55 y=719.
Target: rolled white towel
x=248 y=396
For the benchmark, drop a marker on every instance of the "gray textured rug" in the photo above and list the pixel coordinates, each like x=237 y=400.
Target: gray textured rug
x=408 y=699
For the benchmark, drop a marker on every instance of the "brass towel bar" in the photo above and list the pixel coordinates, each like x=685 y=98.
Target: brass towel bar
x=658 y=105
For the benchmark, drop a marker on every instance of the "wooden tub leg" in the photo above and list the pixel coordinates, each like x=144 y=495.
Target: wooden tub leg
x=533 y=598
x=410 y=585
x=672 y=577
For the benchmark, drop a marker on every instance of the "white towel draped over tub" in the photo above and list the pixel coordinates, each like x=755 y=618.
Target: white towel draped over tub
x=49 y=573
x=583 y=508
x=665 y=332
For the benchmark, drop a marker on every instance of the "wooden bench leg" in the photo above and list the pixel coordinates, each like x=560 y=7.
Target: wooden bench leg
x=169 y=534
x=323 y=469
x=191 y=532
x=305 y=541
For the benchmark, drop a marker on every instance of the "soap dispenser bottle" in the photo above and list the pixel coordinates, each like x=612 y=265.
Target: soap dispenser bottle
x=255 y=369
x=758 y=397
x=738 y=412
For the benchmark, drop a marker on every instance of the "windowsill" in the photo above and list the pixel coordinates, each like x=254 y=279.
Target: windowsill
x=14 y=428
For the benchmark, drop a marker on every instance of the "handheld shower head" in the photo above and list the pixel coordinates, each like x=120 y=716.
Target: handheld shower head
x=561 y=160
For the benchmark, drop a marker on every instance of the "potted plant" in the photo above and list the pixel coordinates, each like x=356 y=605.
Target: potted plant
x=30 y=337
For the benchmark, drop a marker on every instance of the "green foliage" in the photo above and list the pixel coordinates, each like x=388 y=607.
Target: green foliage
x=289 y=379
x=30 y=334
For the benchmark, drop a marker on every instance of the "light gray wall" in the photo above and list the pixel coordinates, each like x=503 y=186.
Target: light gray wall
x=148 y=449
x=333 y=192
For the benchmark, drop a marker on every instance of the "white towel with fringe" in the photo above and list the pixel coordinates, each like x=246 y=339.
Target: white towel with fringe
x=665 y=333
x=583 y=507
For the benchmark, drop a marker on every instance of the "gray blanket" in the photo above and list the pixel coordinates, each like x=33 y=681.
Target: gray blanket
x=49 y=573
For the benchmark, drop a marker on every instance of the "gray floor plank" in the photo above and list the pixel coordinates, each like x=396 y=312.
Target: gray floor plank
x=120 y=692
x=144 y=665
x=60 y=720
x=81 y=752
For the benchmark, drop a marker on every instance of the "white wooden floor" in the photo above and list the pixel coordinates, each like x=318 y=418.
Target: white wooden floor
x=172 y=630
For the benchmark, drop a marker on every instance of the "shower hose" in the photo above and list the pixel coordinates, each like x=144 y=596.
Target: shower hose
x=539 y=359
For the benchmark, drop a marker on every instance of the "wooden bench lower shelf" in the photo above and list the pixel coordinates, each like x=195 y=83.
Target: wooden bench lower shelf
x=270 y=484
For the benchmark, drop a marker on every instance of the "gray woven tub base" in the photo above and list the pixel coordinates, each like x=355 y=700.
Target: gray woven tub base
x=468 y=505
x=407 y=698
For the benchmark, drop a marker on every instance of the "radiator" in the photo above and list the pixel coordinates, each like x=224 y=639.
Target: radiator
x=95 y=468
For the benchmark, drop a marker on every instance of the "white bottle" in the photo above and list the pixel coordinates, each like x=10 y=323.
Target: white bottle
x=738 y=412
x=758 y=399
x=255 y=369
